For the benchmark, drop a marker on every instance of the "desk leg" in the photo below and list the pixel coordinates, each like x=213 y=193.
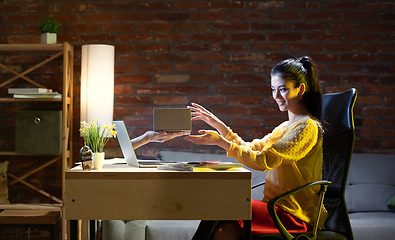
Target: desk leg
x=247 y=230
x=73 y=230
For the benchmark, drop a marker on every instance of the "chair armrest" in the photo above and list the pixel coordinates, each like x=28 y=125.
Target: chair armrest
x=271 y=206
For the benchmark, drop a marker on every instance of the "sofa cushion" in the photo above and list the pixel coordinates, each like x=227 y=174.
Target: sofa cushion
x=373 y=225
x=370 y=182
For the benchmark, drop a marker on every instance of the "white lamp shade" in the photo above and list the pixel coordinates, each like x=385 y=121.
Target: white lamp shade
x=97 y=83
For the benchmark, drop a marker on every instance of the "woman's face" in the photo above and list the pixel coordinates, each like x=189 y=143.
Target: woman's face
x=284 y=93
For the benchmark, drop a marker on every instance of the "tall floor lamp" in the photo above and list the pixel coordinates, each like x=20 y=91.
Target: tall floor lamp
x=97 y=83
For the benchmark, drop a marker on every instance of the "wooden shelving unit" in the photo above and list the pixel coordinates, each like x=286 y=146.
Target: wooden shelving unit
x=67 y=51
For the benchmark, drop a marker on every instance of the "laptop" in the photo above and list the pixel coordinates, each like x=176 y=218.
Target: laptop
x=172 y=119
x=128 y=151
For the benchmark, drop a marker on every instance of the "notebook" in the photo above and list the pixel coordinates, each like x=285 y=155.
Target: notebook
x=172 y=119
x=128 y=151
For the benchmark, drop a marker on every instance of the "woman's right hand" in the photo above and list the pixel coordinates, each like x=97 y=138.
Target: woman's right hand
x=200 y=113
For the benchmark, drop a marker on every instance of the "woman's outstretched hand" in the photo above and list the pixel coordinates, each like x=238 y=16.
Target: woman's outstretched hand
x=163 y=136
x=208 y=137
x=200 y=113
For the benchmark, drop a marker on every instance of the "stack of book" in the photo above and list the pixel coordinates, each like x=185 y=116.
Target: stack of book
x=201 y=166
x=33 y=93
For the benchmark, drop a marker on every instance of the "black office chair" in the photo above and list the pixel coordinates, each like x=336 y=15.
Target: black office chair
x=338 y=145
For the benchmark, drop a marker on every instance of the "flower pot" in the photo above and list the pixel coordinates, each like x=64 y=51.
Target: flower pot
x=48 y=38
x=97 y=160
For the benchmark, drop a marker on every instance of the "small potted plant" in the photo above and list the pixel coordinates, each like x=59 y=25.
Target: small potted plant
x=49 y=28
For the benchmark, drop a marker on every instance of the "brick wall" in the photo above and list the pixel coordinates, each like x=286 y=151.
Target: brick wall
x=219 y=54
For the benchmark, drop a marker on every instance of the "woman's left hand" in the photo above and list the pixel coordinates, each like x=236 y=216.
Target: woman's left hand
x=163 y=136
x=209 y=137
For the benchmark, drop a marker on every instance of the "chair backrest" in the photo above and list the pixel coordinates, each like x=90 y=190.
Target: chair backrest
x=338 y=145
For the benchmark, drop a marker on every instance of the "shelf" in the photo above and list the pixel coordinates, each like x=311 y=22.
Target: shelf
x=10 y=153
x=30 y=100
x=31 y=47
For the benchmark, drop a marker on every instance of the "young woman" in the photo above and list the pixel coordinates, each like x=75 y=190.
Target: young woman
x=291 y=154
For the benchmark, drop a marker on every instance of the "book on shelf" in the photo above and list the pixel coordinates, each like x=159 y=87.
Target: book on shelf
x=38 y=95
x=28 y=90
x=201 y=166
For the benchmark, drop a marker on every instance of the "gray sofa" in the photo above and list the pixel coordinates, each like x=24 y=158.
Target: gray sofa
x=371 y=183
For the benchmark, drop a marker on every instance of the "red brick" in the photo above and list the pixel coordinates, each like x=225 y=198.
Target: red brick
x=362 y=37
x=171 y=58
x=389 y=101
x=343 y=47
x=158 y=47
x=275 y=57
x=261 y=89
x=229 y=67
x=345 y=27
x=336 y=89
x=156 y=68
x=323 y=36
x=192 y=47
x=379 y=27
x=345 y=67
x=136 y=16
x=386 y=57
x=246 y=15
x=240 y=122
x=194 y=67
x=259 y=132
x=378 y=69
x=208 y=78
x=225 y=89
x=11 y=29
x=129 y=100
x=231 y=111
x=191 y=89
x=21 y=59
x=318 y=47
x=23 y=18
x=247 y=57
x=172 y=37
x=246 y=78
x=359 y=79
x=80 y=28
x=378 y=132
x=318 y=57
x=267 y=46
x=266 y=5
x=80 y=7
x=132 y=58
x=378 y=111
x=308 y=26
x=289 y=37
x=370 y=121
x=323 y=16
x=173 y=100
x=341 y=5
x=241 y=100
x=389 y=143
x=172 y=78
x=118 y=27
x=390 y=122
x=248 y=37
x=360 y=16
x=124 y=68
x=380 y=89
x=121 y=89
x=98 y=17
x=191 y=5
x=387 y=80
x=304 y=5
x=155 y=27
x=378 y=5
x=209 y=57
x=123 y=111
x=144 y=111
x=135 y=37
x=229 y=47
x=121 y=79
x=366 y=143
x=98 y=38
x=152 y=6
x=172 y=16
x=264 y=111
x=213 y=16
x=210 y=37
x=209 y=100
x=366 y=100
x=153 y=90
x=274 y=122
x=379 y=47
x=42 y=8
x=191 y=26
x=136 y=121
x=227 y=5
x=262 y=68
x=388 y=16
x=233 y=26
x=10 y=8
x=287 y=16
x=70 y=38
x=267 y=27
x=357 y=58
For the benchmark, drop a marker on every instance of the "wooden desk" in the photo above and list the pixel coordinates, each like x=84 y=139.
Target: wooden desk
x=123 y=192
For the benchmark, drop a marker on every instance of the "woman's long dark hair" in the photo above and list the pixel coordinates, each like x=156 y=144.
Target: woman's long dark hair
x=302 y=70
